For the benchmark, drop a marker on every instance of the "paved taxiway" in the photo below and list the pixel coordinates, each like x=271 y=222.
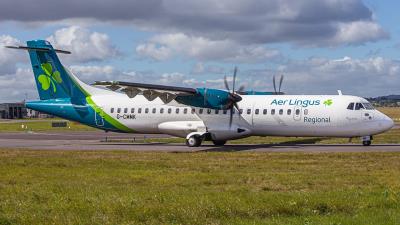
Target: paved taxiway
x=96 y=141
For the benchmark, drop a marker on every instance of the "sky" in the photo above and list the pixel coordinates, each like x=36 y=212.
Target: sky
x=320 y=46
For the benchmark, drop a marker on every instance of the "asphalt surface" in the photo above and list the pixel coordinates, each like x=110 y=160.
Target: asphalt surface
x=97 y=141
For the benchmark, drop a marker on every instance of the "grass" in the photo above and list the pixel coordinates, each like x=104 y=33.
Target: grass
x=106 y=187
x=41 y=125
x=392 y=112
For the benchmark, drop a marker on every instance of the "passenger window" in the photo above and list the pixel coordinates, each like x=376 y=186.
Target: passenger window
x=265 y=111
x=154 y=110
x=272 y=111
x=289 y=111
x=240 y=111
x=133 y=110
x=193 y=110
x=177 y=110
x=126 y=110
x=169 y=110
x=112 y=110
x=139 y=110
x=224 y=111
x=208 y=111
x=281 y=112
x=200 y=111
x=248 y=111
x=185 y=111
x=216 y=111
x=257 y=111
x=161 y=110
x=146 y=110
x=351 y=106
x=359 y=106
x=306 y=112
x=297 y=112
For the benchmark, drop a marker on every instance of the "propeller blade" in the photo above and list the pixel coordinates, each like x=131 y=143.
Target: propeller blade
x=236 y=106
x=273 y=81
x=226 y=83
x=234 y=79
x=231 y=117
x=280 y=83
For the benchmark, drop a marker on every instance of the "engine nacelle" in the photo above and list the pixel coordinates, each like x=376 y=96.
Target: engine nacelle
x=208 y=98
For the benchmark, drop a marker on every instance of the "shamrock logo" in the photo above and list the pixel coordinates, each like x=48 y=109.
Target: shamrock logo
x=49 y=78
x=328 y=102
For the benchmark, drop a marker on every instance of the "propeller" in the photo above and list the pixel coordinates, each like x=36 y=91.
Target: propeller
x=233 y=97
x=280 y=84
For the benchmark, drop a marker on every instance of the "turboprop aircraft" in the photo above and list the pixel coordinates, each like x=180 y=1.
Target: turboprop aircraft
x=196 y=114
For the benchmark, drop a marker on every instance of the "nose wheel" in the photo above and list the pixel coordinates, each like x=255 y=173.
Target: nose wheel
x=366 y=140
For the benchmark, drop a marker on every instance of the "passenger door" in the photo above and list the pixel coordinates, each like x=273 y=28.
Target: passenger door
x=297 y=112
x=99 y=116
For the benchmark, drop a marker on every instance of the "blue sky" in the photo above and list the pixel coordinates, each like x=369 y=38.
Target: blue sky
x=320 y=46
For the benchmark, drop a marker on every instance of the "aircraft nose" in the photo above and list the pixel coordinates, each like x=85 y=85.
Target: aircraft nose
x=388 y=123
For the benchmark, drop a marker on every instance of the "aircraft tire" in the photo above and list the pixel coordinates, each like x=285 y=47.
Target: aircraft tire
x=193 y=141
x=219 y=143
x=366 y=143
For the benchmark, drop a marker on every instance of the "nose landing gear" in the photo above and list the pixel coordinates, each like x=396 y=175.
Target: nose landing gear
x=366 y=140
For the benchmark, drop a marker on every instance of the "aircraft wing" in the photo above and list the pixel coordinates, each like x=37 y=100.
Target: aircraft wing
x=149 y=91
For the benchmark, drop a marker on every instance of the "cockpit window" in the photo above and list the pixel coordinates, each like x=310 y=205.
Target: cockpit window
x=358 y=106
x=350 y=106
x=368 y=106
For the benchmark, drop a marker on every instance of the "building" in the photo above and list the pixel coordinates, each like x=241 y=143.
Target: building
x=13 y=110
x=19 y=111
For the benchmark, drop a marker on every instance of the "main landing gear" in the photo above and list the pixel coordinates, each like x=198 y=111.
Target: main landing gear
x=366 y=140
x=195 y=140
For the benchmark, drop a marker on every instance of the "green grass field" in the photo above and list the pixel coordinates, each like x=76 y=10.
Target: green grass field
x=41 y=125
x=64 y=187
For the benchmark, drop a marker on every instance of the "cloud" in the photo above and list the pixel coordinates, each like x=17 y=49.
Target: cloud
x=85 y=45
x=358 y=32
x=9 y=57
x=166 y=46
x=89 y=74
x=364 y=77
x=304 y=22
x=17 y=85
x=201 y=68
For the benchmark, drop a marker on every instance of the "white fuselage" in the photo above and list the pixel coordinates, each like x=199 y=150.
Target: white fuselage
x=263 y=115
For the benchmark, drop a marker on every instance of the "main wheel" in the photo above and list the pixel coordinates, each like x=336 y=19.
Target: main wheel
x=219 y=143
x=366 y=143
x=194 y=141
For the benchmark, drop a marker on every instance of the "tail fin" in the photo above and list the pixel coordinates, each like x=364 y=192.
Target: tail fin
x=52 y=79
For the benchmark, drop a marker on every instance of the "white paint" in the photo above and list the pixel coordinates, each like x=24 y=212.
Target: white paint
x=334 y=120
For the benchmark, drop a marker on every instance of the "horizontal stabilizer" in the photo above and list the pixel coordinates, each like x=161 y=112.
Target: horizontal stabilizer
x=38 y=49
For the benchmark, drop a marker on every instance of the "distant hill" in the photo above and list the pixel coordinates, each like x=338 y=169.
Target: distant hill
x=389 y=100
